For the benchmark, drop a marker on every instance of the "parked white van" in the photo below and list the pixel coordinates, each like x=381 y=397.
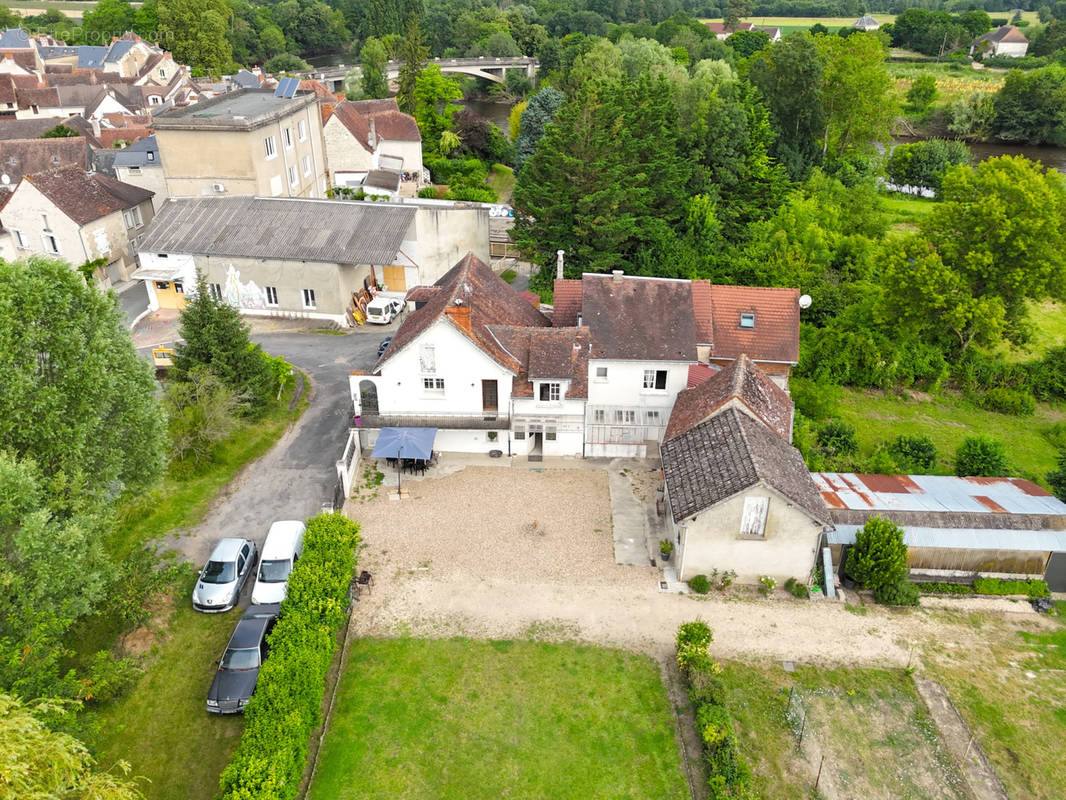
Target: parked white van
x=382 y=310
x=283 y=547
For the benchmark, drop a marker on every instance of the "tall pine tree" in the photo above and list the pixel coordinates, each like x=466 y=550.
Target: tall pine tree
x=414 y=55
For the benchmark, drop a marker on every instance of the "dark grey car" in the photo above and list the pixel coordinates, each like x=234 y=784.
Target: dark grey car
x=238 y=669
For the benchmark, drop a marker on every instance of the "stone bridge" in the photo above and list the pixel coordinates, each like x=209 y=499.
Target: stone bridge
x=489 y=68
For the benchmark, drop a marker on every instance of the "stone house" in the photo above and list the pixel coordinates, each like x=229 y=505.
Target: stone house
x=368 y=137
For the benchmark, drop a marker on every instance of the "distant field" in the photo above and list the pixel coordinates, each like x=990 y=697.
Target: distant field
x=953 y=80
x=789 y=24
x=31 y=8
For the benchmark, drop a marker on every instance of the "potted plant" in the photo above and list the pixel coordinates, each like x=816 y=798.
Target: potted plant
x=492 y=436
x=666 y=547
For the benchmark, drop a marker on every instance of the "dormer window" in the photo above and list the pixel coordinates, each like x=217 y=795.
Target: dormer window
x=747 y=319
x=550 y=392
x=151 y=155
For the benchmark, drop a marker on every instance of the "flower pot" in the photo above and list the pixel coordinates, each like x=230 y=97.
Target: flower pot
x=665 y=556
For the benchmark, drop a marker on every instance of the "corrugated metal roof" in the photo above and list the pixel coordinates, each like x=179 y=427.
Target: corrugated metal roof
x=279 y=228
x=935 y=493
x=967 y=538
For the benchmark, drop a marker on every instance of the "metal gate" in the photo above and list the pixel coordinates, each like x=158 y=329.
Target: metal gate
x=1056 y=572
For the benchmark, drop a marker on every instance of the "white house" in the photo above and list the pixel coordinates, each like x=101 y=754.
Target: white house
x=369 y=136
x=471 y=357
x=1007 y=40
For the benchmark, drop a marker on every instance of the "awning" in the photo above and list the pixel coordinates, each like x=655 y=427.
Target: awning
x=967 y=538
x=142 y=274
x=405 y=443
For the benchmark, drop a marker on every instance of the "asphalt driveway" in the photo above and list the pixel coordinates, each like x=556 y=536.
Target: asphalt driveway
x=297 y=476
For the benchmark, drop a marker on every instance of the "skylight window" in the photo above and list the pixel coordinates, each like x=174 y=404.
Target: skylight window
x=747 y=319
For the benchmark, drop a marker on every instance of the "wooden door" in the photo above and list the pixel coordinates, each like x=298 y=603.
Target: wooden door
x=395 y=279
x=490 y=399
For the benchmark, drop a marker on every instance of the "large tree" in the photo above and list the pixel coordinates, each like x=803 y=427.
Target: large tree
x=608 y=180
x=214 y=336
x=108 y=19
x=434 y=93
x=855 y=95
x=195 y=32
x=74 y=395
x=374 y=61
x=540 y=111
x=414 y=54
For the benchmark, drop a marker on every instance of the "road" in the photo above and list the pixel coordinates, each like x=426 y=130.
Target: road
x=297 y=476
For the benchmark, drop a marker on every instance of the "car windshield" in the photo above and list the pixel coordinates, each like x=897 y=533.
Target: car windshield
x=274 y=571
x=244 y=658
x=218 y=572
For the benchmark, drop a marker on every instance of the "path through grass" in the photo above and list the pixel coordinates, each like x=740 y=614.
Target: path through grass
x=466 y=719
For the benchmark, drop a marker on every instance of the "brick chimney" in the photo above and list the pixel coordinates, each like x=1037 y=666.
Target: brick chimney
x=460 y=316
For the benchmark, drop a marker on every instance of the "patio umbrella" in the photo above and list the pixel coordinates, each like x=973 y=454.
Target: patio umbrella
x=404 y=443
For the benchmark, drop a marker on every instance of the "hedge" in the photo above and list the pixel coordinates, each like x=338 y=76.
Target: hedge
x=988 y=586
x=729 y=776
x=287 y=704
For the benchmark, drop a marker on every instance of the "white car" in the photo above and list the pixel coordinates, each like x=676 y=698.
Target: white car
x=281 y=550
x=383 y=310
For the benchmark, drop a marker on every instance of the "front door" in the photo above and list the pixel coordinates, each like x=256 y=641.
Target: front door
x=170 y=294
x=490 y=399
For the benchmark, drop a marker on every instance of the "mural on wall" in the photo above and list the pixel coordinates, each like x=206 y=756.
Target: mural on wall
x=242 y=295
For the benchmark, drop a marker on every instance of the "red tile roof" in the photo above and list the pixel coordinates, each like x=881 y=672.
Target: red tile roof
x=85 y=197
x=703 y=310
x=472 y=297
x=743 y=382
x=719 y=27
x=567 y=302
x=318 y=88
x=641 y=319
x=547 y=354
x=775 y=336
x=389 y=123
x=698 y=373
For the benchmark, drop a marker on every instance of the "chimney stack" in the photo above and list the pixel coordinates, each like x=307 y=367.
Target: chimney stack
x=559 y=264
x=460 y=316
x=96 y=126
x=617 y=273
x=372 y=138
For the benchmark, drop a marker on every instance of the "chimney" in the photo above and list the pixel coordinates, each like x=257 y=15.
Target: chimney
x=617 y=273
x=372 y=138
x=460 y=316
x=96 y=127
x=559 y=264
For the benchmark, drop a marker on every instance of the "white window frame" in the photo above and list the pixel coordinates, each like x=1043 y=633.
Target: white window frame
x=549 y=433
x=52 y=249
x=214 y=291
x=271 y=148
x=599 y=416
x=625 y=416
x=554 y=390
x=307 y=166
x=653 y=417
x=301 y=130
x=162 y=73
x=271 y=293
x=747 y=320
x=309 y=298
x=21 y=243
x=601 y=374
x=286 y=137
x=651 y=379
x=294 y=176
x=133 y=214
x=433 y=385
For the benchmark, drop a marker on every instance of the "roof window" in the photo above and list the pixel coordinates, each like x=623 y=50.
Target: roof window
x=747 y=319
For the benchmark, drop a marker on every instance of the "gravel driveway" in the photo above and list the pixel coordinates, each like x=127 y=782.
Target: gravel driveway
x=297 y=476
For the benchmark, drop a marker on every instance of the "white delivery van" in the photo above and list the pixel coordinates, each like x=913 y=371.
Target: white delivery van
x=283 y=547
x=383 y=310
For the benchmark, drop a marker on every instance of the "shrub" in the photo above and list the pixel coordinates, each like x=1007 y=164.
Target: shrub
x=473 y=194
x=699 y=584
x=924 y=163
x=941 y=587
x=1057 y=477
x=879 y=558
x=998 y=586
x=900 y=593
x=696 y=634
x=913 y=453
x=286 y=707
x=201 y=412
x=428 y=191
x=666 y=547
x=815 y=400
x=981 y=456
x=1048 y=375
x=797 y=589
x=837 y=438
x=766 y=585
x=1008 y=401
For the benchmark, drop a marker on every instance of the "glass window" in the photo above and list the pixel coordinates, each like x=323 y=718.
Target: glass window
x=219 y=572
x=550 y=392
x=601 y=373
x=20 y=240
x=286 y=134
x=132 y=217
x=292 y=176
x=270 y=147
x=271 y=295
x=433 y=384
x=309 y=298
x=275 y=571
x=301 y=130
x=655 y=379
x=215 y=291
x=179 y=287
x=599 y=415
x=307 y=166
x=549 y=434
x=244 y=658
x=164 y=285
x=652 y=417
x=51 y=245
x=747 y=320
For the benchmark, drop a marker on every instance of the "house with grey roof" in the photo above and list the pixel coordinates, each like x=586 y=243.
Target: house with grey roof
x=866 y=23
x=141 y=165
x=299 y=258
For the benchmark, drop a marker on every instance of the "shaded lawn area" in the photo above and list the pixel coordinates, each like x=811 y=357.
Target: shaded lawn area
x=162 y=728
x=947 y=419
x=1048 y=330
x=464 y=719
x=1019 y=720
x=870 y=724
x=501 y=178
x=905 y=212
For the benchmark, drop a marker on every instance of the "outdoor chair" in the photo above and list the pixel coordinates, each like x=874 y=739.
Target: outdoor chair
x=365 y=579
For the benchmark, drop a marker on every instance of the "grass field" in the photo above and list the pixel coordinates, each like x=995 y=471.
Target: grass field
x=870 y=725
x=501 y=179
x=1013 y=696
x=162 y=728
x=468 y=719
x=953 y=81
x=789 y=24
x=905 y=211
x=947 y=419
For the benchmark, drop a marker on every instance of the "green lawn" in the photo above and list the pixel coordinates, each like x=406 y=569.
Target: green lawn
x=1012 y=694
x=501 y=179
x=905 y=211
x=953 y=80
x=1048 y=330
x=947 y=419
x=467 y=719
x=872 y=727
x=162 y=728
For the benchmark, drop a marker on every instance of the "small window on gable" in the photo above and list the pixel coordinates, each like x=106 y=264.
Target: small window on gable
x=753 y=520
x=747 y=319
x=601 y=373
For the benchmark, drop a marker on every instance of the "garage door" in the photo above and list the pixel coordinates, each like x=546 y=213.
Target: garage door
x=1056 y=572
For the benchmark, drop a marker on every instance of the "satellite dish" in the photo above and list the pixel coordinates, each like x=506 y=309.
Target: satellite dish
x=4 y=179
x=805 y=301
